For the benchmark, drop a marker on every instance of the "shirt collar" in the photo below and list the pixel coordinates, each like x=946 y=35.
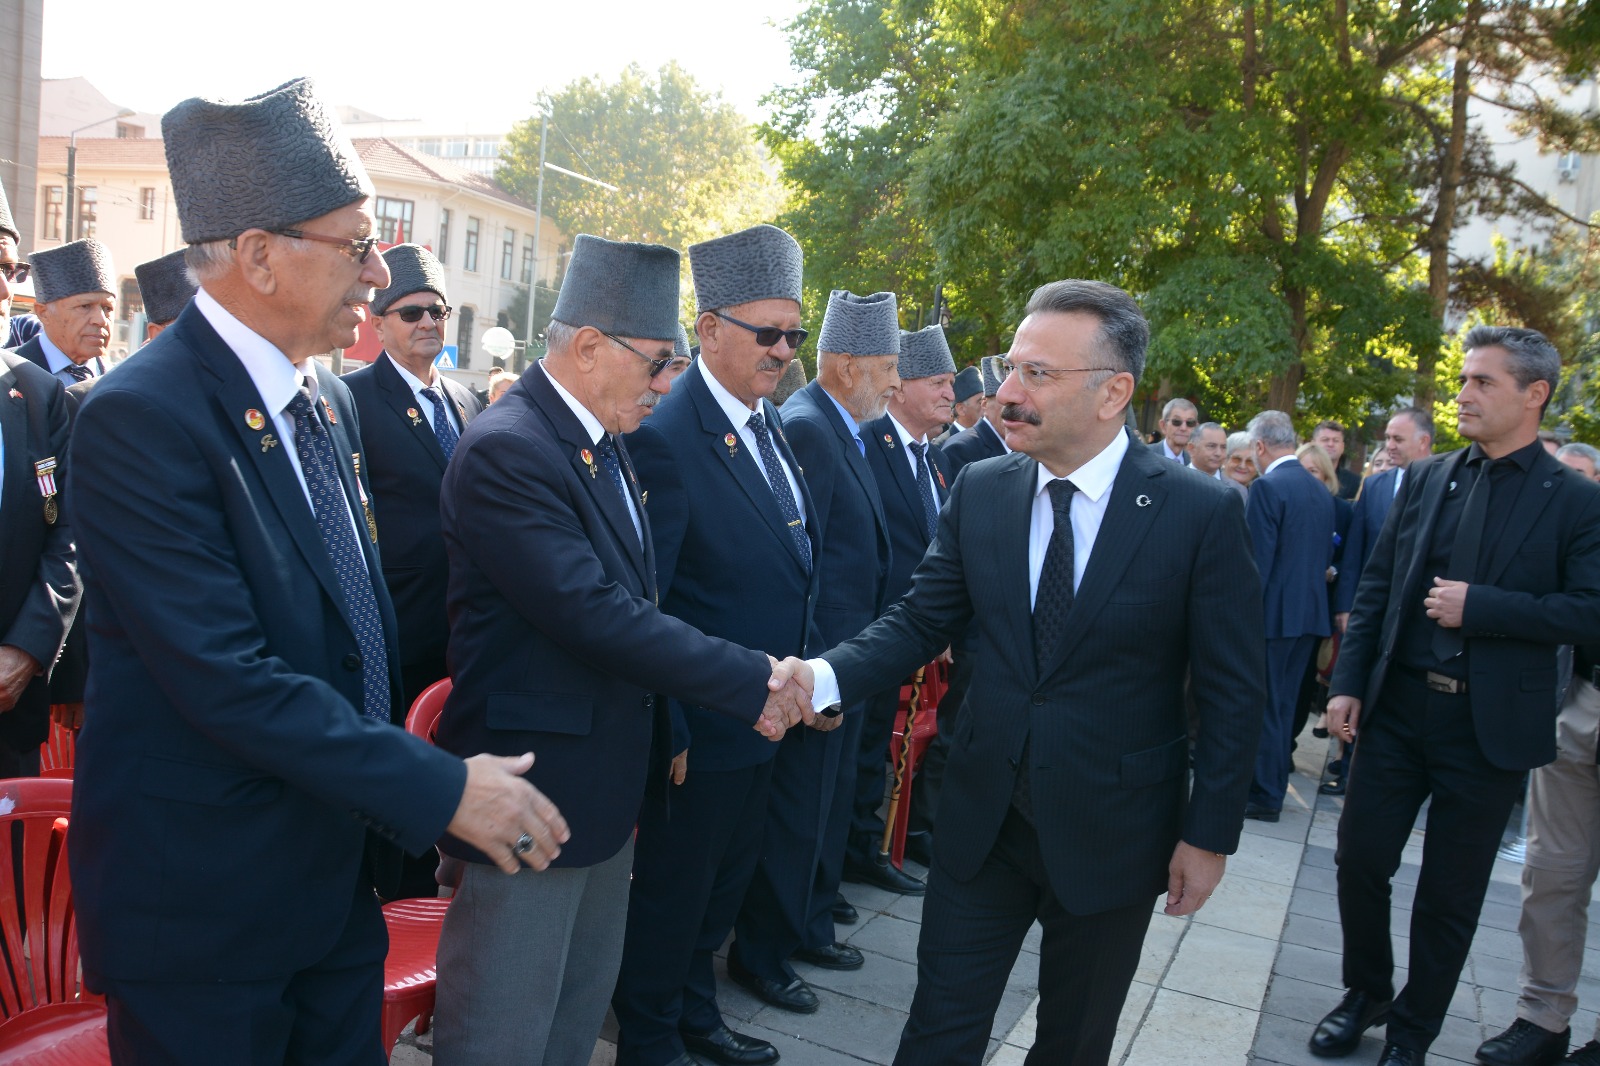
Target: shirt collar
x=850 y=422
x=1523 y=456
x=1094 y=478
x=274 y=376
x=416 y=383
x=591 y=424
x=906 y=438
x=55 y=357
x=1279 y=461
x=996 y=434
x=735 y=410
x=1166 y=449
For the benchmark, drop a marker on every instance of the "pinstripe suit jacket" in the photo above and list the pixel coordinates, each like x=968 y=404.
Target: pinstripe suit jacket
x=1169 y=587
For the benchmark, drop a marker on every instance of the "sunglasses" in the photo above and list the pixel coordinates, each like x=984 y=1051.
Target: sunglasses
x=1191 y=423
x=767 y=336
x=16 y=273
x=412 y=315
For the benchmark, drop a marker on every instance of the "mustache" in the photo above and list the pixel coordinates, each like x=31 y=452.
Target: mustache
x=650 y=399
x=770 y=363
x=1012 y=413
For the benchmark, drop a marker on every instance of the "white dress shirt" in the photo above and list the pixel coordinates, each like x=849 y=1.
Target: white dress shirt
x=738 y=416
x=591 y=426
x=416 y=385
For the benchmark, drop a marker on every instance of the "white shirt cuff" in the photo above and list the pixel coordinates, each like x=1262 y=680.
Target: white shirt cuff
x=826 y=692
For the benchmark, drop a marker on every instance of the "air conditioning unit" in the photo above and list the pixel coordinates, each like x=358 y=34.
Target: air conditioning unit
x=1567 y=167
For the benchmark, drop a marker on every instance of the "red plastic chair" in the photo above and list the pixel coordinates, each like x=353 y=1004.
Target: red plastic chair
x=58 y=753
x=423 y=718
x=935 y=681
x=50 y=1018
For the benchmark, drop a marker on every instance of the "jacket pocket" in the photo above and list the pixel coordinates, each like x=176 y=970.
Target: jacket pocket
x=540 y=712
x=214 y=786
x=1154 y=765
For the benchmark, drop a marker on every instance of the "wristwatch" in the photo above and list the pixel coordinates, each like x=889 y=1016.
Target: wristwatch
x=832 y=710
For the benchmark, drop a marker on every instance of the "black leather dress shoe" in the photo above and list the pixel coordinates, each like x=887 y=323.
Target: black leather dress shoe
x=1525 y=1044
x=1332 y=788
x=832 y=957
x=729 y=1048
x=1395 y=1055
x=1260 y=813
x=1339 y=1033
x=796 y=996
x=919 y=847
x=843 y=912
x=885 y=876
x=1587 y=1055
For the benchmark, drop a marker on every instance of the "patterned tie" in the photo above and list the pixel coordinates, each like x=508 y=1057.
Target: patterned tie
x=930 y=510
x=328 y=501
x=441 y=423
x=607 y=449
x=780 y=487
x=78 y=373
x=1053 y=602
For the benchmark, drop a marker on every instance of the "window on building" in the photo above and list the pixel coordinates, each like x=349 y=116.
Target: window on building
x=88 y=201
x=126 y=131
x=55 y=199
x=394 y=220
x=471 y=262
x=508 y=246
x=147 y=204
x=527 y=259
x=464 y=324
x=485 y=149
x=130 y=301
x=455 y=149
x=444 y=235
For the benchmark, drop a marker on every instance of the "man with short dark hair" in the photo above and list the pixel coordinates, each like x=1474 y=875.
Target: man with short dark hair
x=1178 y=421
x=1330 y=437
x=1489 y=561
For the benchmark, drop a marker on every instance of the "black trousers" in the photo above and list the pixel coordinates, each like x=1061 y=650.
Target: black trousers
x=971 y=934
x=1413 y=745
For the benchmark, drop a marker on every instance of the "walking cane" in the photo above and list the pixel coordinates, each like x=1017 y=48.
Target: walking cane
x=902 y=769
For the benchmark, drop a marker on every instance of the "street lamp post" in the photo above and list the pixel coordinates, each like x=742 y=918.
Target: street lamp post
x=72 y=169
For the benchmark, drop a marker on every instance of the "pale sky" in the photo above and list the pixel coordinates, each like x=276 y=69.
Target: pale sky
x=480 y=62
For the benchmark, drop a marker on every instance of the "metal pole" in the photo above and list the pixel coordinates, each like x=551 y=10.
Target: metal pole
x=72 y=174
x=538 y=217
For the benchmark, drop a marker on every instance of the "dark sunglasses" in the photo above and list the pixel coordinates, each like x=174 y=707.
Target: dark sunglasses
x=656 y=365
x=1191 y=423
x=767 y=336
x=16 y=273
x=411 y=315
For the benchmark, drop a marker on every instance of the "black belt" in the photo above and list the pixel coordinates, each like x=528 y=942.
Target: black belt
x=1435 y=681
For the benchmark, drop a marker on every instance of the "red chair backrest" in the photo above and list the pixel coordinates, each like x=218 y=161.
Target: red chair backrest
x=423 y=718
x=58 y=752
x=38 y=927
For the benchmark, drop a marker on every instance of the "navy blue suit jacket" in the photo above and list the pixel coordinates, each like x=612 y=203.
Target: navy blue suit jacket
x=1107 y=741
x=725 y=558
x=971 y=445
x=226 y=777
x=556 y=643
x=1290 y=515
x=1371 y=508
x=405 y=465
x=902 y=503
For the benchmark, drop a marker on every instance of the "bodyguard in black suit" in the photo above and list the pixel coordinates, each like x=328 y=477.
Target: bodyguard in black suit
x=411 y=418
x=1489 y=561
x=1099 y=570
x=239 y=750
x=857 y=356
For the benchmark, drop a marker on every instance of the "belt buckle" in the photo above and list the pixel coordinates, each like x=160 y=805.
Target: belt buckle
x=1445 y=683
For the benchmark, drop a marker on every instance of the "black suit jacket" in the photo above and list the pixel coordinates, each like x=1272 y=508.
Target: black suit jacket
x=406 y=466
x=971 y=445
x=1168 y=590
x=556 y=641
x=1541 y=589
x=727 y=563
x=902 y=503
x=1371 y=509
x=226 y=776
x=39 y=586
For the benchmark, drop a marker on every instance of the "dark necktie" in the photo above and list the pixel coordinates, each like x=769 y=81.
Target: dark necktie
x=78 y=373
x=607 y=449
x=1053 y=601
x=320 y=468
x=780 y=487
x=442 y=429
x=1447 y=642
x=930 y=510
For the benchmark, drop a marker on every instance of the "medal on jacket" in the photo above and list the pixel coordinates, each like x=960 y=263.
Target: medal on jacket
x=45 y=471
x=361 y=490
x=416 y=418
x=16 y=395
x=588 y=460
x=327 y=409
x=733 y=445
x=940 y=475
x=888 y=440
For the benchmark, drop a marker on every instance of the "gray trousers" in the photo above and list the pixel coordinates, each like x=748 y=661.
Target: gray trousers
x=527 y=964
x=1563 y=859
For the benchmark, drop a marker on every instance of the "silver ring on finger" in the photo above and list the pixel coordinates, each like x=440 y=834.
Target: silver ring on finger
x=523 y=845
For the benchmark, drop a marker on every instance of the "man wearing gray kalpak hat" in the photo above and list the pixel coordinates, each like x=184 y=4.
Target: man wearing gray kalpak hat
x=735 y=539
x=564 y=657
x=968 y=409
x=914 y=482
x=985 y=439
x=789 y=910
x=166 y=289
x=74 y=290
x=239 y=776
x=12 y=272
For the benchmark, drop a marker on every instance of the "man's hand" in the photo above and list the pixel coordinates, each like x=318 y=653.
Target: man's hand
x=824 y=724
x=1192 y=876
x=67 y=715
x=1446 y=602
x=1343 y=713
x=680 y=766
x=498 y=808
x=17 y=668
x=1342 y=620
x=788 y=698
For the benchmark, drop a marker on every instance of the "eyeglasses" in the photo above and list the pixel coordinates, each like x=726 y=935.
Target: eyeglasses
x=360 y=248
x=15 y=273
x=409 y=315
x=1190 y=422
x=656 y=365
x=767 y=336
x=1033 y=375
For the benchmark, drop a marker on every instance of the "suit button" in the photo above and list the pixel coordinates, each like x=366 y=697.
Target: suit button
x=1038 y=699
x=1013 y=763
x=649 y=703
x=351 y=661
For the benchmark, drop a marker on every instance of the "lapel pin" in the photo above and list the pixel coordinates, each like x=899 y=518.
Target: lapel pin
x=1451 y=487
x=253 y=419
x=644 y=497
x=15 y=395
x=588 y=460
x=268 y=441
x=888 y=440
x=940 y=475
x=1142 y=500
x=327 y=409
x=733 y=445
x=411 y=413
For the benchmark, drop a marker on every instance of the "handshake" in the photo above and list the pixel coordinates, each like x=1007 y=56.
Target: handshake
x=789 y=701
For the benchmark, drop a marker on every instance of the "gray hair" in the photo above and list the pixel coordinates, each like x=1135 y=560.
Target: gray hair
x=1238 y=442
x=1124 y=333
x=1529 y=355
x=1582 y=451
x=558 y=336
x=1178 y=403
x=1272 y=428
x=1204 y=426
x=209 y=259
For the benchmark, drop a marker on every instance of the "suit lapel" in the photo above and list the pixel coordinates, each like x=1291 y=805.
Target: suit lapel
x=415 y=421
x=1539 y=487
x=344 y=454
x=1015 y=524
x=854 y=460
x=648 y=572
x=888 y=438
x=1443 y=474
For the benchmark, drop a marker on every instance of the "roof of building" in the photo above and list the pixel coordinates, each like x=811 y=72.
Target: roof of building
x=103 y=152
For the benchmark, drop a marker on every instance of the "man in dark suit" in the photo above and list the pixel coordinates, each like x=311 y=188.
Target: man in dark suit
x=1099 y=571
x=1488 y=562
x=1407 y=438
x=1178 y=421
x=857 y=355
x=984 y=440
x=735 y=539
x=239 y=749
x=527 y=964
x=75 y=298
x=411 y=418
x=1329 y=436
x=1290 y=515
x=914 y=482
